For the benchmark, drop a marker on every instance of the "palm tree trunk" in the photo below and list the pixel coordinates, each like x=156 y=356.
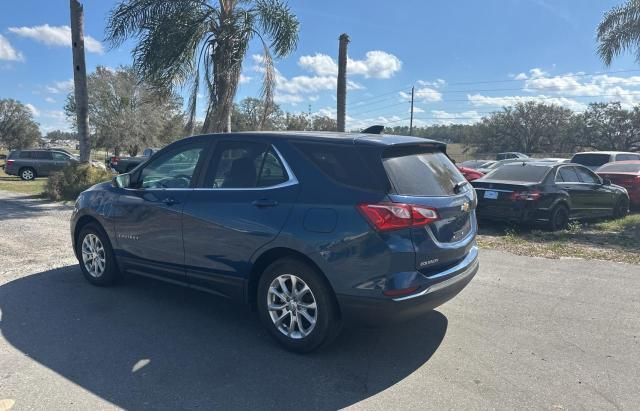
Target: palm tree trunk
x=80 y=79
x=342 y=81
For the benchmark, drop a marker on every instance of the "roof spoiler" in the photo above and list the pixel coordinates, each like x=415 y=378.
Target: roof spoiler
x=377 y=129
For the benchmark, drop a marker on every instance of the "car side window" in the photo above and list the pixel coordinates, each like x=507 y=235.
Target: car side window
x=567 y=175
x=174 y=169
x=586 y=176
x=246 y=164
x=626 y=157
x=60 y=156
x=41 y=155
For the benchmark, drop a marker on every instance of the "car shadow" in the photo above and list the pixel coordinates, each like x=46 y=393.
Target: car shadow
x=150 y=345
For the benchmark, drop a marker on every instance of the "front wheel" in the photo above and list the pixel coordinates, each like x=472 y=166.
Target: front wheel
x=621 y=208
x=297 y=306
x=96 y=256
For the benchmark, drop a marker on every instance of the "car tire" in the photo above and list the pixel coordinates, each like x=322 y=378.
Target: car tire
x=559 y=218
x=288 y=316
x=27 y=173
x=621 y=209
x=95 y=256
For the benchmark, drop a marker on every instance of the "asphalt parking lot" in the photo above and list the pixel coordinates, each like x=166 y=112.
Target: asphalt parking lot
x=526 y=333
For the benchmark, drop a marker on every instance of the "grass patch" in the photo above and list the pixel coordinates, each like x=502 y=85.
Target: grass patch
x=611 y=240
x=16 y=185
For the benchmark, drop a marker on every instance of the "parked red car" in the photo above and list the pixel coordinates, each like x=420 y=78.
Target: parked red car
x=470 y=174
x=625 y=174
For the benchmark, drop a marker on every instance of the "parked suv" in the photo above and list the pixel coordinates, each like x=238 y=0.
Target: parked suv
x=29 y=164
x=312 y=229
x=594 y=159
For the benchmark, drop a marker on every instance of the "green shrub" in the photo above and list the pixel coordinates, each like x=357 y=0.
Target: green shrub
x=74 y=179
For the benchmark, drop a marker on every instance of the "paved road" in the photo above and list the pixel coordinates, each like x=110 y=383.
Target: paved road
x=526 y=333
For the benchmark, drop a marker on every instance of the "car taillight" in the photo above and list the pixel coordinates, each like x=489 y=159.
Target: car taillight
x=630 y=181
x=114 y=160
x=10 y=162
x=532 y=195
x=392 y=216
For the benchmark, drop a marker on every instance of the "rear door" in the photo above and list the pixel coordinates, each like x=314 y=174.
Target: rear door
x=243 y=203
x=43 y=163
x=426 y=177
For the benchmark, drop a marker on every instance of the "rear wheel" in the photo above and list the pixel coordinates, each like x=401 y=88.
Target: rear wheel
x=621 y=208
x=27 y=173
x=96 y=256
x=297 y=306
x=559 y=218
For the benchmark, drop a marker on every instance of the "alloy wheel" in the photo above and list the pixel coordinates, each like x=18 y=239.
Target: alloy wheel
x=292 y=306
x=93 y=255
x=27 y=175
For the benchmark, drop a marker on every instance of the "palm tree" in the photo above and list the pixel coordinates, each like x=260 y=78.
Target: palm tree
x=189 y=42
x=619 y=31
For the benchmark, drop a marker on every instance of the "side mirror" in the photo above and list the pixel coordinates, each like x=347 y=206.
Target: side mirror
x=606 y=182
x=121 y=181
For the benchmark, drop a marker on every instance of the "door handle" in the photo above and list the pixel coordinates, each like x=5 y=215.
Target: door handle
x=170 y=201
x=264 y=202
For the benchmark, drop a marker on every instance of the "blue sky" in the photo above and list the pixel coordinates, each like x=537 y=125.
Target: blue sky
x=465 y=58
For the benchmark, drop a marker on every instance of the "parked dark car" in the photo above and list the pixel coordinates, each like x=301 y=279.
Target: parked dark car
x=29 y=164
x=625 y=174
x=531 y=192
x=126 y=164
x=476 y=164
x=312 y=229
x=595 y=159
x=510 y=155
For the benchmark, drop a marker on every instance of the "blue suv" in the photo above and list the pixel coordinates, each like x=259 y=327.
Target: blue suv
x=312 y=229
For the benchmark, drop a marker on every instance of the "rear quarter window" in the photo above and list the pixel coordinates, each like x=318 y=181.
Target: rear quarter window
x=422 y=173
x=348 y=165
x=626 y=157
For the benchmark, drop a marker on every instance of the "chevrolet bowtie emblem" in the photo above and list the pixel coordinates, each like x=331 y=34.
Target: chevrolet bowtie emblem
x=465 y=207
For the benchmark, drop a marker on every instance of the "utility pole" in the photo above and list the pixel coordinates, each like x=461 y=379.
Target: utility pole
x=342 y=81
x=80 y=79
x=411 y=119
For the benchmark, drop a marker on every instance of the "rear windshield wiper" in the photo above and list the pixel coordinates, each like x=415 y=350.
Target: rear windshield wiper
x=457 y=186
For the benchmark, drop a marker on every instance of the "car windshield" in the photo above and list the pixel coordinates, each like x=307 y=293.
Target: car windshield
x=620 y=168
x=519 y=172
x=591 y=159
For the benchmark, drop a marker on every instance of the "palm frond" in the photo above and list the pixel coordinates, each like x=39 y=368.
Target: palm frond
x=279 y=24
x=619 y=31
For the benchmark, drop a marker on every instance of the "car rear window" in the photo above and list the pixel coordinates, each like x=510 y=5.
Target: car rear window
x=620 y=168
x=591 y=159
x=421 y=173
x=346 y=164
x=519 y=172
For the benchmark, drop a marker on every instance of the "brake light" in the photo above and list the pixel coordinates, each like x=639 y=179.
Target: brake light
x=399 y=293
x=10 y=162
x=532 y=195
x=114 y=160
x=392 y=216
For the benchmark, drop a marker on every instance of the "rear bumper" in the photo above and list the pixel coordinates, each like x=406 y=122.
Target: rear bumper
x=435 y=291
x=512 y=214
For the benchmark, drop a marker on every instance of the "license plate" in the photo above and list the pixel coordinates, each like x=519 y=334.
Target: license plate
x=492 y=195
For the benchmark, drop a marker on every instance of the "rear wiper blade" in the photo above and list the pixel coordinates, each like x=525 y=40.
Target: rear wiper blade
x=457 y=186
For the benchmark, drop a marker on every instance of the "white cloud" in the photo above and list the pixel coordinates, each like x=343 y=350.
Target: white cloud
x=292 y=99
x=501 y=101
x=521 y=76
x=444 y=117
x=56 y=36
x=425 y=94
x=64 y=86
x=7 y=52
x=33 y=109
x=377 y=64
x=245 y=79
x=416 y=110
x=438 y=83
x=49 y=100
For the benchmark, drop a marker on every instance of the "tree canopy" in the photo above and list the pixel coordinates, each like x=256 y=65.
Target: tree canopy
x=126 y=113
x=17 y=127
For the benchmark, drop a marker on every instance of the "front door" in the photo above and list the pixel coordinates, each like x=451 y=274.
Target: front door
x=148 y=217
x=600 y=197
x=567 y=179
x=245 y=200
